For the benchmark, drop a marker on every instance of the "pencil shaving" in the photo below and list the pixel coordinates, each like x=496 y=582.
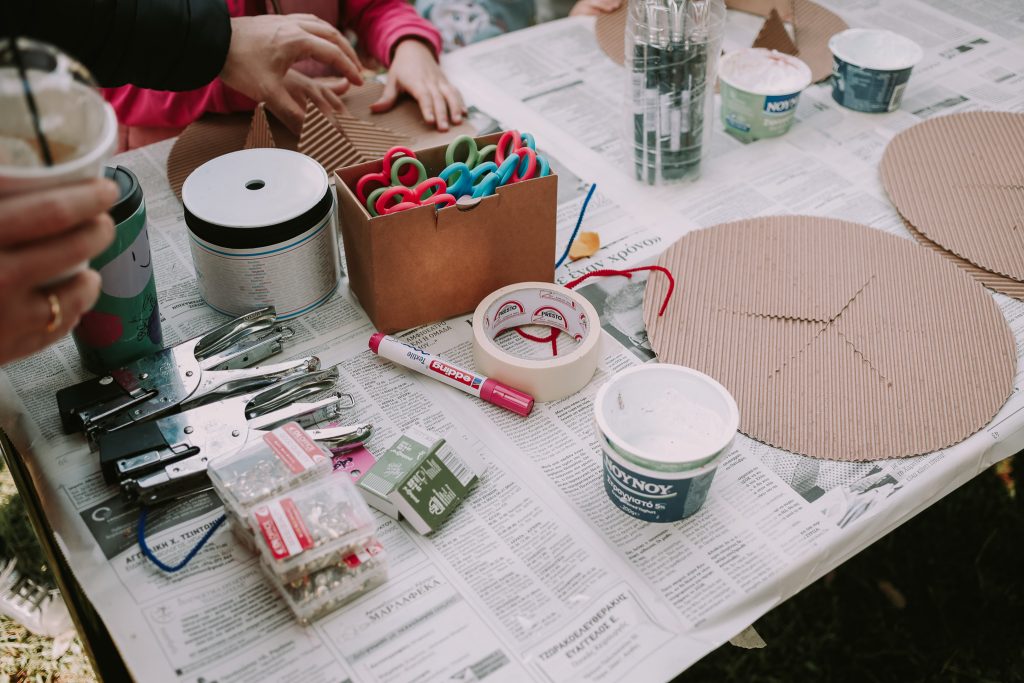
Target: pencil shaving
x=586 y=244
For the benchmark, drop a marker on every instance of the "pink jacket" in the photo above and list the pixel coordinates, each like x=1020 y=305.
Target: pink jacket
x=379 y=24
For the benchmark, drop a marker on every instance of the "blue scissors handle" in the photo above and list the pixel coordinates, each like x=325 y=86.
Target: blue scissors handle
x=459 y=179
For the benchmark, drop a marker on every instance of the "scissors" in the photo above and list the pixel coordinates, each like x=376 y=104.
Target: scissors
x=474 y=156
x=510 y=142
x=384 y=179
x=433 y=191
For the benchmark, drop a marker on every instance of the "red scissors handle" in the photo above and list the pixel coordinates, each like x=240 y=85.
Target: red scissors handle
x=400 y=192
x=508 y=143
x=528 y=158
x=366 y=184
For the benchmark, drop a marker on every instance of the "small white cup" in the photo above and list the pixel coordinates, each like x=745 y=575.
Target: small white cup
x=663 y=430
x=73 y=116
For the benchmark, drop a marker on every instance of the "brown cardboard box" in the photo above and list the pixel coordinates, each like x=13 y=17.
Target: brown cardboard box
x=421 y=265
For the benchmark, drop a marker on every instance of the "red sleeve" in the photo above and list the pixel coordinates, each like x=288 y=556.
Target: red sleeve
x=162 y=109
x=382 y=24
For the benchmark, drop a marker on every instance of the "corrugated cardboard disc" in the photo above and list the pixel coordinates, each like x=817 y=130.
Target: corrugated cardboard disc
x=959 y=179
x=813 y=25
x=993 y=281
x=837 y=340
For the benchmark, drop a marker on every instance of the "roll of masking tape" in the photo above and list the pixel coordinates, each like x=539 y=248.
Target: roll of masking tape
x=538 y=303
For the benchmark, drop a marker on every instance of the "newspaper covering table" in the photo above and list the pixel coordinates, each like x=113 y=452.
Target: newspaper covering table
x=537 y=576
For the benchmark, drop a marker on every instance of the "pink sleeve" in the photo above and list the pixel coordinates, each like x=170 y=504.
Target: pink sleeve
x=141 y=107
x=163 y=109
x=381 y=24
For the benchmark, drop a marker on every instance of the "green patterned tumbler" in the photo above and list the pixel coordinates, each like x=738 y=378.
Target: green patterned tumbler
x=125 y=322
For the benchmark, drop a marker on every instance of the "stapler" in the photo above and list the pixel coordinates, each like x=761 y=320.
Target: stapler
x=165 y=458
x=199 y=370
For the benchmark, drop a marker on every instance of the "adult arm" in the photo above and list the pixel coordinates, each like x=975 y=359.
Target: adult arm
x=159 y=44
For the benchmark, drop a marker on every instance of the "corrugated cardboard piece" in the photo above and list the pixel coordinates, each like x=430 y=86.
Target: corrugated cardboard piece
x=370 y=134
x=993 y=281
x=959 y=180
x=837 y=340
x=260 y=136
x=323 y=140
x=813 y=25
x=774 y=36
x=422 y=265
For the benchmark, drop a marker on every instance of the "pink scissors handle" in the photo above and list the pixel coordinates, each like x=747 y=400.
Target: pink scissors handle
x=383 y=179
x=508 y=143
x=363 y=188
x=409 y=175
x=441 y=199
x=401 y=206
x=429 y=188
x=402 y=193
x=529 y=159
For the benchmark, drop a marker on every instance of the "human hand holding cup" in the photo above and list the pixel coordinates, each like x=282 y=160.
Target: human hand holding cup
x=52 y=216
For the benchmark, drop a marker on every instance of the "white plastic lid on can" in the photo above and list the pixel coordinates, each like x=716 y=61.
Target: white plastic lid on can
x=254 y=188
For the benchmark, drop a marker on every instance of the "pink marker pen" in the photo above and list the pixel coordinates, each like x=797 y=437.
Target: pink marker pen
x=419 y=360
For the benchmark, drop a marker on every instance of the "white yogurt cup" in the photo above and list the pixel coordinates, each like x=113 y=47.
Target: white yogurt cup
x=871 y=68
x=663 y=430
x=760 y=91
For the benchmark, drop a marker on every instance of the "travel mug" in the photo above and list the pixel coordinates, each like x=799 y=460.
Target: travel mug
x=124 y=325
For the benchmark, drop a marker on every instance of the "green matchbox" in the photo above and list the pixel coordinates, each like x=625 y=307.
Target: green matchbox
x=419 y=478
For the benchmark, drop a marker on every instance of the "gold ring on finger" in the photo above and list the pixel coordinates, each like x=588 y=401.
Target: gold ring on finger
x=56 y=315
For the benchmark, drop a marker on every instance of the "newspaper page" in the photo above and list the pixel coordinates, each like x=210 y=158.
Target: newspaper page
x=537 y=576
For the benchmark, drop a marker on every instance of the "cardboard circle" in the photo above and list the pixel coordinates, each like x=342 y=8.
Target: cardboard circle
x=205 y=139
x=993 y=281
x=959 y=180
x=837 y=340
x=813 y=26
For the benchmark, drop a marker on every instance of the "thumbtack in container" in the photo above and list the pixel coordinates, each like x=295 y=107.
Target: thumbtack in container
x=663 y=430
x=671 y=49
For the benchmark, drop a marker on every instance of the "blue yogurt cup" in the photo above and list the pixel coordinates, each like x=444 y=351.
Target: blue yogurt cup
x=663 y=430
x=870 y=68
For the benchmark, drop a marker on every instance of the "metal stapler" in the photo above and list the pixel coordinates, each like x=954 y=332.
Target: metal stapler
x=165 y=458
x=202 y=369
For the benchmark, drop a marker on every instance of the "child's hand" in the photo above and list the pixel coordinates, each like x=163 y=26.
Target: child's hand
x=594 y=7
x=415 y=70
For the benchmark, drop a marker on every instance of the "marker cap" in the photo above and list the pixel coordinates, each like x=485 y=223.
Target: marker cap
x=506 y=397
x=375 y=341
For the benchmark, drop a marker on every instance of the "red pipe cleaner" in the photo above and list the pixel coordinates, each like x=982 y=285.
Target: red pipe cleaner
x=628 y=272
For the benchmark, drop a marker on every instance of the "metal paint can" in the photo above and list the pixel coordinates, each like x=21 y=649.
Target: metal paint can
x=124 y=325
x=663 y=430
x=263 y=231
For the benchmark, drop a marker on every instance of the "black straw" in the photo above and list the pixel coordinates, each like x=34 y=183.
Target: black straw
x=30 y=99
